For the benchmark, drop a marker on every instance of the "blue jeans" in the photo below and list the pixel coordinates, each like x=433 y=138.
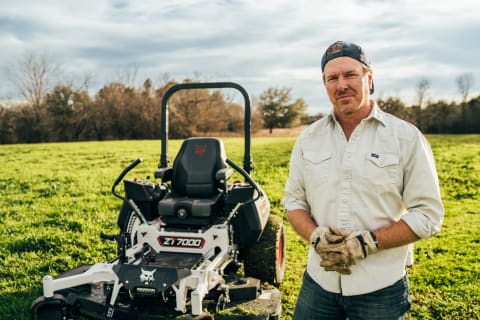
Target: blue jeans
x=314 y=303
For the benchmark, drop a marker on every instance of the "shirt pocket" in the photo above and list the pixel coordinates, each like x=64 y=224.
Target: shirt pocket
x=318 y=165
x=381 y=168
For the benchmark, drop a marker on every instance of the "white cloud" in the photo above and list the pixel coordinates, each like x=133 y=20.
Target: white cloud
x=259 y=44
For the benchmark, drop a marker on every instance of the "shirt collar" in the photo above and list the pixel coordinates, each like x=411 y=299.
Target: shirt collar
x=376 y=113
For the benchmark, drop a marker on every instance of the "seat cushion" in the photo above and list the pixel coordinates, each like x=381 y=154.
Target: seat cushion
x=195 y=207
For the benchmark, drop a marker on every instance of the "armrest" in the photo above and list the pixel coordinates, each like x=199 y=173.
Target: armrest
x=224 y=174
x=164 y=173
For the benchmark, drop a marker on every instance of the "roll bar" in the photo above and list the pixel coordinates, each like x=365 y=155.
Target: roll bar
x=247 y=158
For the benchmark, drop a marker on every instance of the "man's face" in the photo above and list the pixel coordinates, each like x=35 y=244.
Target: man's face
x=348 y=85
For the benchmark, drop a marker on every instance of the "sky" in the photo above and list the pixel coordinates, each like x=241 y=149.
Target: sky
x=258 y=44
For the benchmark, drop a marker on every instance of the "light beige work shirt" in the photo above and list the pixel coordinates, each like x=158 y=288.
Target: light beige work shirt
x=385 y=172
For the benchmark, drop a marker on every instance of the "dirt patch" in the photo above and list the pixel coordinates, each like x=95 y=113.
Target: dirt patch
x=280 y=132
x=277 y=132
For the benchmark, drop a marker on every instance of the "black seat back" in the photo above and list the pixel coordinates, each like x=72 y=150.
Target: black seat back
x=195 y=167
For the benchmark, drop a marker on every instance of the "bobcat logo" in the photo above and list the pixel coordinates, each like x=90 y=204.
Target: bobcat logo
x=147 y=276
x=200 y=149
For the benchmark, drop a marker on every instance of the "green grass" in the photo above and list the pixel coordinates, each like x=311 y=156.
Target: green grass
x=55 y=200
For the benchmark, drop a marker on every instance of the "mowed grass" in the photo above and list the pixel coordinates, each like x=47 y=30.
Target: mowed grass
x=55 y=200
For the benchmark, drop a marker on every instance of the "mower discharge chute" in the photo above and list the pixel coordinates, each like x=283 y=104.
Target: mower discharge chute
x=182 y=241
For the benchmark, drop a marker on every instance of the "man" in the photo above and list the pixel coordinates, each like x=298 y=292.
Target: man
x=362 y=187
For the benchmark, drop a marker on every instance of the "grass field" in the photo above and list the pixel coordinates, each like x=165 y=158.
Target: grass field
x=55 y=200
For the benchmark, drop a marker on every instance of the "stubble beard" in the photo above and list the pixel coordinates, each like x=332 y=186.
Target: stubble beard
x=346 y=111
x=349 y=106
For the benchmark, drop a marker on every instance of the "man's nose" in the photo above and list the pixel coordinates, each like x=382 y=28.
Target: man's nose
x=342 y=83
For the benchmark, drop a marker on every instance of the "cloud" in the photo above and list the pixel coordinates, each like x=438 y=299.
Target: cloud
x=259 y=44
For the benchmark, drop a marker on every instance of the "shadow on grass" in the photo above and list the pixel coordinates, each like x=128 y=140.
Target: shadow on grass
x=16 y=305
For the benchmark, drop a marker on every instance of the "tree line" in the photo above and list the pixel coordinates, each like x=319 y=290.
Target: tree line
x=64 y=112
x=438 y=117
x=117 y=111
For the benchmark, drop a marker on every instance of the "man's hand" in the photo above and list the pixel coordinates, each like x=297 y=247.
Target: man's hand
x=324 y=234
x=319 y=237
x=344 y=248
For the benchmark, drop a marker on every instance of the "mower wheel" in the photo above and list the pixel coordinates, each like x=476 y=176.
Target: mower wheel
x=129 y=233
x=265 y=260
x=50 y=313
x=50 y=309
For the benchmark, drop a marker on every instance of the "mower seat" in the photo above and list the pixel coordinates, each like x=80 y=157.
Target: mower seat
x=198 y=181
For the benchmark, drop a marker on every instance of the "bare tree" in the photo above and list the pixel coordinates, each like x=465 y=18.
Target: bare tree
x=164 y=79
x=128 y=75
x=464 y=84
x=81 y=82
x=33 y=76
x=422 y=89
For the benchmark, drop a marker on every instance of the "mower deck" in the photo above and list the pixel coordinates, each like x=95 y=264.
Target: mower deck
x=248 y=300
x=88 y=304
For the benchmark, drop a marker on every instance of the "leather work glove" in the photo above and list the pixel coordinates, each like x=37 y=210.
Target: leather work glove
x=320 y=234
x=338 y=255
x=321 y=237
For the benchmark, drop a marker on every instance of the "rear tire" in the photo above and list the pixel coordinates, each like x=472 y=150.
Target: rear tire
x=265 y=260
x=128 y=232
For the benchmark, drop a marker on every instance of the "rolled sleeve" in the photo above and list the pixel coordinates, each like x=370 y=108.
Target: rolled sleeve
x=421 y=224
x=422 y=192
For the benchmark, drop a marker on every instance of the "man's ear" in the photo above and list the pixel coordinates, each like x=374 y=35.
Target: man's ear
x=370 y=81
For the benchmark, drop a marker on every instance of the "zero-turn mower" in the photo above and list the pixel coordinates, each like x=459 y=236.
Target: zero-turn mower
x=189 y=245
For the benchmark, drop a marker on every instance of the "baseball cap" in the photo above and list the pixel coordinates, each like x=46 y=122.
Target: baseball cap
x=345 y=49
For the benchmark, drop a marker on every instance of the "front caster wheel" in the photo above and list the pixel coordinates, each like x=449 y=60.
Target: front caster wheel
x=50 y=308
